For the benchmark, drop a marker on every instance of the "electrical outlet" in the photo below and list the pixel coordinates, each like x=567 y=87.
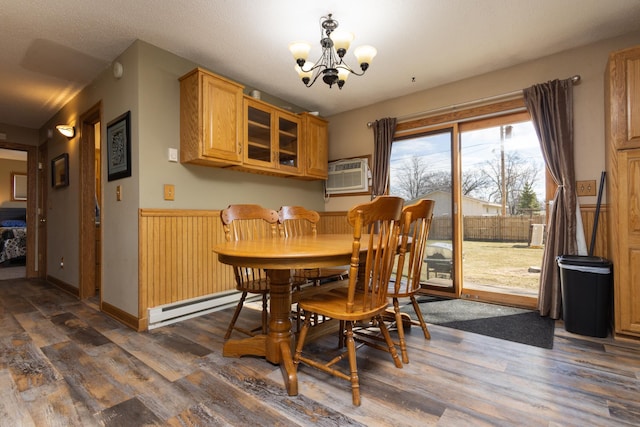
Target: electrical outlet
x=169 y=192
x=586 y=188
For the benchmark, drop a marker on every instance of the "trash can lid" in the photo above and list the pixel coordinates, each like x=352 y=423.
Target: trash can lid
x=590 y=264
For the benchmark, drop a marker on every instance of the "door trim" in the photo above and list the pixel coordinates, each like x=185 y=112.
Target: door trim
x=87 y=244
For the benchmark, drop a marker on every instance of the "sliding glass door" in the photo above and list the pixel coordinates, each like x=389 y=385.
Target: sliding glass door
x=487 y=177
x=422 y=166
x=503 y=209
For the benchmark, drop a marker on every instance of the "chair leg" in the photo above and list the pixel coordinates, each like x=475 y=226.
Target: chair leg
x=400 y=328
x=236 y=313
x=341 y=334
x=423 y=324
x=301 y=337
x=389 y=341
x=265 y=312
x=351 y=350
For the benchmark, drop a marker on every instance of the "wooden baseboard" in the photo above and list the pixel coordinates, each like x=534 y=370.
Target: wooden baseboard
x=124 y=317
x=64 y=286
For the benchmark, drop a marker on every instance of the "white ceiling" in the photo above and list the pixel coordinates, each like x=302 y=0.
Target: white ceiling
x=51 y=50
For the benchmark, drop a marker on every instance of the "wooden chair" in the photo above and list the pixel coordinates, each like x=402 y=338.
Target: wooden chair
x=245 y=222
x=366 y=295
x=416 y=224
x=299 y=221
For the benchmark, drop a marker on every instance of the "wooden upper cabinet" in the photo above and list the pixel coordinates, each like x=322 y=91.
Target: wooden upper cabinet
x=272 y=139
x=210 y=119
x=222 y=127
x=315 y=141
x=623 y=95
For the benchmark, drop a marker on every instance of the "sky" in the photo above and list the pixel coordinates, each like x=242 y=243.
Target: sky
x=478 y=147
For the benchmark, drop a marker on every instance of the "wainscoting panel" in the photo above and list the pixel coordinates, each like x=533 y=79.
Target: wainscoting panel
x=334 y=223
x=588 y=213
x=177 y=262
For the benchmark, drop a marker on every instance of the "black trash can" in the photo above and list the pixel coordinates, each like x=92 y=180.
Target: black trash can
x=586 y=294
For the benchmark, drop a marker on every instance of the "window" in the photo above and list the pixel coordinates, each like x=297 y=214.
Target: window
x=487 y=176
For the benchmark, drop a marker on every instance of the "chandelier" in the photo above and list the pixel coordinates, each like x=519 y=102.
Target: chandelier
x=330 y=65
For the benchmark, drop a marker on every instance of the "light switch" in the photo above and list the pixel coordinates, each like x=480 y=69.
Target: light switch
x=169 y=192
x=173 y=154
x=586 y=188
x=119 y=193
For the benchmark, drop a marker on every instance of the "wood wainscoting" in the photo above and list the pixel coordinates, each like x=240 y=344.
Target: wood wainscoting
x=177 y=263
x=176 y=260
x=588 y=213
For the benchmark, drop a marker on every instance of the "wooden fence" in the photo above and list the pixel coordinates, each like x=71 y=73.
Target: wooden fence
x=488 y=228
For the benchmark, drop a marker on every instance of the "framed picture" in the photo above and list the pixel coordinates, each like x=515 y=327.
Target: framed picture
x=60 y=171
x=119 y=147
x=18 y=186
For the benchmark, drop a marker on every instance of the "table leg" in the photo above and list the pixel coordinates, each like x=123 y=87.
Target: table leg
x=279 y=339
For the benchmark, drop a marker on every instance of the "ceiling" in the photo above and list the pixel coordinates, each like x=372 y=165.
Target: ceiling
x=51 y=50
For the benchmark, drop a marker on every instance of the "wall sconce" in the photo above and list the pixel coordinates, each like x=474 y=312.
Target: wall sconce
x=67 y=130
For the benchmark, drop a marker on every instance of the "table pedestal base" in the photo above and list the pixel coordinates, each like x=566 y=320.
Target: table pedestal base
x=277 y=344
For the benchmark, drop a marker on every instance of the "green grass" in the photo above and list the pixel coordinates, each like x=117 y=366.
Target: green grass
x=496 y=264
x=501 y=264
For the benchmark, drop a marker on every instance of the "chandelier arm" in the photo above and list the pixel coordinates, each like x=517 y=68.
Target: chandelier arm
x=351 y=70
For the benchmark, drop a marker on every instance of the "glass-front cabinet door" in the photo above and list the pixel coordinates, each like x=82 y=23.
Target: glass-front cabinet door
x=259 y=147
x=271 y=138
x=288 y=142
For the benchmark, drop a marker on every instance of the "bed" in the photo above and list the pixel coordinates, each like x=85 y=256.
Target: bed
x=13 y=236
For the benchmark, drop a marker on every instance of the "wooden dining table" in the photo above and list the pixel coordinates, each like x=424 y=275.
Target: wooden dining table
x=278 y=257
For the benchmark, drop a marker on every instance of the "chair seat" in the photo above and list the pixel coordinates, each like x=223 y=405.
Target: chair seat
x=259 y=286
x=333 y=304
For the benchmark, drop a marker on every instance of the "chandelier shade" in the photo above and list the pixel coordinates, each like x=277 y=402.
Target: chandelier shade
x=331 y=65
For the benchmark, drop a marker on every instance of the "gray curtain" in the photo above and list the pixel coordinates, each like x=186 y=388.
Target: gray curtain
x=383 y=131
x=551 y=107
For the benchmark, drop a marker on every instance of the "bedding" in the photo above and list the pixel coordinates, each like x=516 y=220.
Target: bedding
x=13 y=244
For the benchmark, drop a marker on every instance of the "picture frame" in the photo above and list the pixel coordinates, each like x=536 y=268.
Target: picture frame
x=119 y=147
x=60 y=171
x=18 y=186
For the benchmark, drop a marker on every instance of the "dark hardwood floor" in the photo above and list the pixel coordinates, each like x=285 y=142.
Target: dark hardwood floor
x=63 y=363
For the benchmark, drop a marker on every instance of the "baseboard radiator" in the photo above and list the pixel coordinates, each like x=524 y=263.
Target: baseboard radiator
x=172 y=313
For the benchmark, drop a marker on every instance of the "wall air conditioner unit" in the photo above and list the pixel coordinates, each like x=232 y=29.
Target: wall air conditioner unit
x=348 y=176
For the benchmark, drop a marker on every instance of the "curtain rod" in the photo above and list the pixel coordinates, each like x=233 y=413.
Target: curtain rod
x=505 y=96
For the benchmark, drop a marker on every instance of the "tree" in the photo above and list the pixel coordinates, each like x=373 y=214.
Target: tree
x=528 y=200
x=413 y=180
x=517 y=173
x=474 y=183
x=410 y=179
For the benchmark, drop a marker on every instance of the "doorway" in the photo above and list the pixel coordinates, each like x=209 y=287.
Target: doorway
x=503 y=209
x=21 y=197
x=90 y=202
